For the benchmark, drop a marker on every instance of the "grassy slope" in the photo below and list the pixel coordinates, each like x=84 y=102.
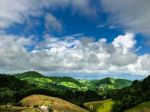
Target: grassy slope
x=143 y=107
x=58 y=105
x=99 y=106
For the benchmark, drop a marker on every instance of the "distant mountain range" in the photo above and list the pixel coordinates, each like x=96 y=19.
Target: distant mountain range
x=99 y=85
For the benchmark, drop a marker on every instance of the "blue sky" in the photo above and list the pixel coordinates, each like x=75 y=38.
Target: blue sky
x=75 y=37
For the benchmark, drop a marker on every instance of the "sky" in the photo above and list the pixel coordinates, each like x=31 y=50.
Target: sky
x=78 y=38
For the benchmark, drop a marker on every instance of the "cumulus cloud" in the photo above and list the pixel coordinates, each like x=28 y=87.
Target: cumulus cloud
x=70 y=55
x=133 y=15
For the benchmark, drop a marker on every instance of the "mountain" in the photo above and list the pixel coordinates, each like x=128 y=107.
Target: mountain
x=101 y=86
x=29 y=74
x=69 y=82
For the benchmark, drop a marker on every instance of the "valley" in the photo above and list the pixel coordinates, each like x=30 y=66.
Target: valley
x=28 y=91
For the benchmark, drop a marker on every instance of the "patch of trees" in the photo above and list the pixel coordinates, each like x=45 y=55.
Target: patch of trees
x=131 y=96
x=10 y=86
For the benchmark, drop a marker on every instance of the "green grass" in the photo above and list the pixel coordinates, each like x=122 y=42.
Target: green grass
x=70 y=84
x=40 y=82
x=143 y=107
x=99 y=106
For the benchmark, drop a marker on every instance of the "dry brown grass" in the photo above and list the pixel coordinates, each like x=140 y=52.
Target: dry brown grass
x=57 y=104
x=6 y=108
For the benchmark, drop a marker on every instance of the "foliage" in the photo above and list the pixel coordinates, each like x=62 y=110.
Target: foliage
x=131 y=96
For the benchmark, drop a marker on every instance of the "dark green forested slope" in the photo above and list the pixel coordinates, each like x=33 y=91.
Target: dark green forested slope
x=131 y=96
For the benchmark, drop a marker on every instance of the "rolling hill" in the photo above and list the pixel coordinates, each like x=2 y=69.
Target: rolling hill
x=56 y=104
x=69 y=82
x=34 y=103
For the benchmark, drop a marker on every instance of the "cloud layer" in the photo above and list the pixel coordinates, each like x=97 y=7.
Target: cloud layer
x=73 y=55
x=22 y=9
x=133 y=15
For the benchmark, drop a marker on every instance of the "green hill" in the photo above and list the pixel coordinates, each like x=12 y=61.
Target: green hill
x=29 y=74
x=40 y=80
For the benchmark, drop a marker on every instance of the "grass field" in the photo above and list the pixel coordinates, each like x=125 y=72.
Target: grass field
x=99 y=106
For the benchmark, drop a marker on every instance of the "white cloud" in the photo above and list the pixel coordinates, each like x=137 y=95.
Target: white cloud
x=17 y=11
x=133 y=15
x=125 y=42
x=70 y=55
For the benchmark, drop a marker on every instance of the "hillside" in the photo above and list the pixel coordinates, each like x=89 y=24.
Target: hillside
x=56 y=104
x=132 y=96
x=100 y=86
